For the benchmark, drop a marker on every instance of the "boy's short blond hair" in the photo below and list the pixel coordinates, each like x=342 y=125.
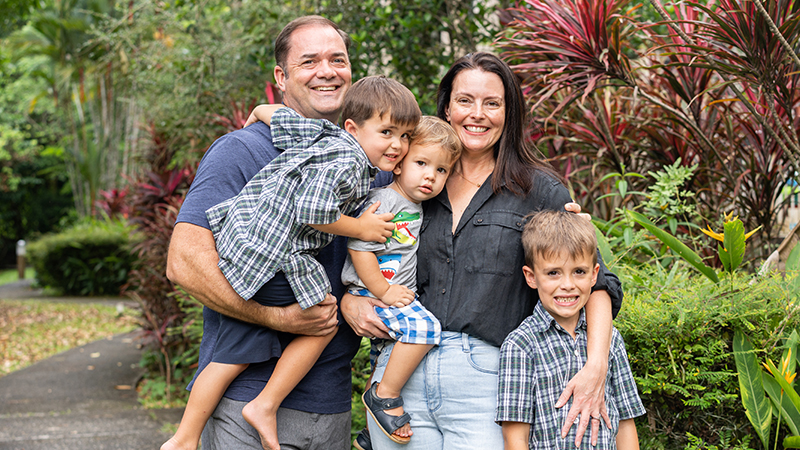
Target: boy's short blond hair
x=380 y=95
x=549 y=234
x=432 y=130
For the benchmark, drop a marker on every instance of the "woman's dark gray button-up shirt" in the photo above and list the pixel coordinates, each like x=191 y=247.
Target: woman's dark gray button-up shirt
x=472 y=279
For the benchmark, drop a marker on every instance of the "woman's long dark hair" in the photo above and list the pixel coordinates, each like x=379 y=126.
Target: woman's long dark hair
x=516 y=162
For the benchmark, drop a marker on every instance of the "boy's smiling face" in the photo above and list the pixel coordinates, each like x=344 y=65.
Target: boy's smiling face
x=384 y=142
x=564 y=284
x=421 y=175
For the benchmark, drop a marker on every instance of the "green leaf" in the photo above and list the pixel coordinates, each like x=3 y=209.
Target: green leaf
x=757 y=408
x=677 y=246
x=788 y=390
x=673 y=225
x=622 y=187
x=793 y=261
x=791 y=442
x=734 y=243
x=627 y=235
x=605 y=248
x=788 y=410
x=725 y=257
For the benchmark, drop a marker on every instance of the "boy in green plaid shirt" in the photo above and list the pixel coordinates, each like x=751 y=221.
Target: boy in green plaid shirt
x=538 y=359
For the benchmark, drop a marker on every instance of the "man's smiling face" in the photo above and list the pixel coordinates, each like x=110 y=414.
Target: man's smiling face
x=317 y=73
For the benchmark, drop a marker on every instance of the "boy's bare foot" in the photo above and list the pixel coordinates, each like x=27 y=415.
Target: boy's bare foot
x=174 y=444
x=264 y=420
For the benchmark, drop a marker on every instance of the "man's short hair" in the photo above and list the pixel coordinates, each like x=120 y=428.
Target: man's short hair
x=552 y=234
x=380 y=95
x=283 y=41
x=432 y=130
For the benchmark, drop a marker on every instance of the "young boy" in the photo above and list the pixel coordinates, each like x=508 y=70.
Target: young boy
x=268 y=234
x=549 y=347
x=388 y=271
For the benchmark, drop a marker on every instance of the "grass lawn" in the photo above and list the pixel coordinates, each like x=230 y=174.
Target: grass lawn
x=31 y=330
x=10 y=276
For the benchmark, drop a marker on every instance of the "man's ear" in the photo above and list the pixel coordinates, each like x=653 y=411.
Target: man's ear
x=530 y=278
x=594 y=273
x=280 y=78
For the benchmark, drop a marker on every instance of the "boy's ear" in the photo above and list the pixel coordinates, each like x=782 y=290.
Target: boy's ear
x=351 y=127
x=530 y=278
x=398 y=168
x=594 y=273
x=280 y=78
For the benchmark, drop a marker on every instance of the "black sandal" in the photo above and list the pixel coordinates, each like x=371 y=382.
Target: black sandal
x=362 y=440
x=386 y=422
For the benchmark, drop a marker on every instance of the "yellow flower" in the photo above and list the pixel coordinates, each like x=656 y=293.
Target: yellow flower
x=721 y=236
x=710 y=233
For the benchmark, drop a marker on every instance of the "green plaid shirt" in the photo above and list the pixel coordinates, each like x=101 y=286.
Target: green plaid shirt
x=321 y=174
x=536 y=362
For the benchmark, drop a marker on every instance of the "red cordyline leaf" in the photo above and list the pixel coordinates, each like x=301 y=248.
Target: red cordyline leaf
x=566 y=44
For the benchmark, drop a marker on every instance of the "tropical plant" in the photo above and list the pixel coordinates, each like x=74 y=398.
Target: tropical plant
x=771 y=393
x=718 y=91
x=412 y=41
x=58 y=39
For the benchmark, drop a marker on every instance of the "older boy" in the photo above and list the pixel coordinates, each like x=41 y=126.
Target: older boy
x=549 y=347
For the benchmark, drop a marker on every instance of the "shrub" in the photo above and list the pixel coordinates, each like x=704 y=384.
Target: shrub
x=91 y=258
x=679 y=341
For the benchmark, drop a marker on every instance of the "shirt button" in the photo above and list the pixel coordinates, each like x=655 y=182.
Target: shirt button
x=578 y=353
x=480 y=220
x=448 y=260
x=444 y=290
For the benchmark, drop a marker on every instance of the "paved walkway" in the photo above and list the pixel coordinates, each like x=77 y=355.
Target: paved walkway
x=83 y=398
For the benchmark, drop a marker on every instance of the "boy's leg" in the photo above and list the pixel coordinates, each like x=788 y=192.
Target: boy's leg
x=296 y=360
x=207 y=391
x=403 y=361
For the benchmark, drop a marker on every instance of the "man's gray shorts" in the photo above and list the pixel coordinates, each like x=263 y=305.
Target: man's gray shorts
x=297 y=430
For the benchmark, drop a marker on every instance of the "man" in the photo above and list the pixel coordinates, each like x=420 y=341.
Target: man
x=313 y=72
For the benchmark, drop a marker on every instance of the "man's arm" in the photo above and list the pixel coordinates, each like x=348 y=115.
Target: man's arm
x=192 y=264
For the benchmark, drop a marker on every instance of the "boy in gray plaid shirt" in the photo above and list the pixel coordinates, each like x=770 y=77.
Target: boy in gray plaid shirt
x=538 y=359
x=268 y=234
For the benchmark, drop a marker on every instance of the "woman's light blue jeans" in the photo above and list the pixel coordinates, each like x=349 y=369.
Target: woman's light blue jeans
x=451 y=397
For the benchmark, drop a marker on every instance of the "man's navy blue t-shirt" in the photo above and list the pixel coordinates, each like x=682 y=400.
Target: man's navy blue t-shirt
x=224 y=170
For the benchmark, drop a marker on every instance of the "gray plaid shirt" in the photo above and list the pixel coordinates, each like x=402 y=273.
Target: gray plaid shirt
x=536 y=362
x=322 y=173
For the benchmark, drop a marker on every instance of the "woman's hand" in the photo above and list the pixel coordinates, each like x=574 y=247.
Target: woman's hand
x=587 y=388
x=576 y=208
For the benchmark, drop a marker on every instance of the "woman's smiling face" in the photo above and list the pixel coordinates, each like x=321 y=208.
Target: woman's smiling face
x=477 y=110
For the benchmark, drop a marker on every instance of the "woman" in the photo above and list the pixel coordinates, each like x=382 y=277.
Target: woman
x=470 y=268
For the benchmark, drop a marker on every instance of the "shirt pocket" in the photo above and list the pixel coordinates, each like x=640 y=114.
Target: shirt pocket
x=495 y=243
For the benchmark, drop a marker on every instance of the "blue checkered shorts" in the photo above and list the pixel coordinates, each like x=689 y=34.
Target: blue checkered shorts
x=412 y=324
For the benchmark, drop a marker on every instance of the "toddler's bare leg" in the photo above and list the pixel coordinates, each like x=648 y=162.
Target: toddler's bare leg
x=402 y=362
x=297 y=359
x=207 y=391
